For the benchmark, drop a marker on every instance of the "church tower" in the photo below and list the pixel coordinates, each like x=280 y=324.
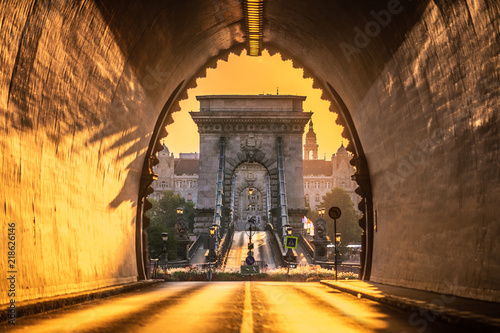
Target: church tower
x=311 y=146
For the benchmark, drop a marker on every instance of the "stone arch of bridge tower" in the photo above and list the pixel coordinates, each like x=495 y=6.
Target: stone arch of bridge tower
x=269 y=163
x=242 y=187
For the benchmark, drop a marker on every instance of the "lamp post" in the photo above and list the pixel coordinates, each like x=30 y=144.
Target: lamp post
x=212 y=231
x=335 y=213
x=337 y=243
x=180 y=210
x=164 y=237
x=212 y=254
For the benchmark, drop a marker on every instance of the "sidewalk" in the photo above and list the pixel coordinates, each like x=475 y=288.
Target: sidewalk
x=426 y=305
x=27 y=308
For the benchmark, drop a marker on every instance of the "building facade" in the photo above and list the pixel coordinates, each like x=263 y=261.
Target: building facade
x=176 y=174
x=320 y=176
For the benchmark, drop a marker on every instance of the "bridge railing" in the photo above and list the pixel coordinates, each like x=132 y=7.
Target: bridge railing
x=276 y=247
x=307 y=247
x=195 y=246
x=224 y=246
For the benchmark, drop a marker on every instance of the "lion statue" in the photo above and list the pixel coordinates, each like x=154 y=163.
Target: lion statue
x=320 y=229
x=181 y=228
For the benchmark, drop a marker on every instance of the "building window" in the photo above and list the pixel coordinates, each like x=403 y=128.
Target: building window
x=189 y=184
x=177 y=184
x=316 y=185
x=190 y=198
x=317 y=198
x=306 y=185
x=307 y=197
x=328 y=185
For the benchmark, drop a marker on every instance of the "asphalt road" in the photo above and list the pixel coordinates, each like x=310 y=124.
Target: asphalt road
x=229 y=307
x=239 y=249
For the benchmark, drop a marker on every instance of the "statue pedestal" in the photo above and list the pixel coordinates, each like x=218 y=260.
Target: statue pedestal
x=183 y=249
x=320 y=250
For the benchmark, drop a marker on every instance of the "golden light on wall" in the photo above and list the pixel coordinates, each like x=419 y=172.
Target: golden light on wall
x=253 y=11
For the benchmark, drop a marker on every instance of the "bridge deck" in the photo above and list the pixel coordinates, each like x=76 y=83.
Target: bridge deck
x=239 y=248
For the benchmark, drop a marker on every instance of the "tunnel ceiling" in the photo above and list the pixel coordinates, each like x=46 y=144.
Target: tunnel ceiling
x=315 y=34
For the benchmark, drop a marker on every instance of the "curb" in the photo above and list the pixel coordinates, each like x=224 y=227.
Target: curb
x=466 y=318
x=31 y=307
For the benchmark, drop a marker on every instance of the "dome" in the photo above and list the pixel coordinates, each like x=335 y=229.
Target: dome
x=342 y=150
x=310 y=134
x=165 y=149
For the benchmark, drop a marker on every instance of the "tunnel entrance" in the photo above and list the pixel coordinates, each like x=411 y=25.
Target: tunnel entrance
x=344 y=120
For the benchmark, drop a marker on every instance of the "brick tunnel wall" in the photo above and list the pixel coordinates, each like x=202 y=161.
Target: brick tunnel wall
x=82 y=85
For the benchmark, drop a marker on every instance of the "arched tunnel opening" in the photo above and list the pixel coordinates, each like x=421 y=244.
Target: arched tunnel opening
x=90 y=87
x=284 y=69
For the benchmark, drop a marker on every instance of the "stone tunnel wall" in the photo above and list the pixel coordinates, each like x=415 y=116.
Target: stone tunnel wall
x=82 y=85
x=79 y=99
x=423 y=90
x=435 y=165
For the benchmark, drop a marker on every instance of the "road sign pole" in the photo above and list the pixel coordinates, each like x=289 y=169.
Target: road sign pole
x=335 y=213
x=335 y=233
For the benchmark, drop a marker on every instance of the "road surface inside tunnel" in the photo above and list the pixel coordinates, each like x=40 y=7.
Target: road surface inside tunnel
x=228 y=307
x=239 y=250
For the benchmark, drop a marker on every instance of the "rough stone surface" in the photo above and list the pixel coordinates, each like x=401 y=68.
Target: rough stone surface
x=82 y=85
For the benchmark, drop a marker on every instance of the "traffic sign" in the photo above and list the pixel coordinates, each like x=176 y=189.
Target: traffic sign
x=291 y=242
x=247 y=270
x=250 y=253
x=250 y=260
x=334 y=212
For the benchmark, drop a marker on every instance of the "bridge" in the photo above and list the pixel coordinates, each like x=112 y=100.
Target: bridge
x=88 y=89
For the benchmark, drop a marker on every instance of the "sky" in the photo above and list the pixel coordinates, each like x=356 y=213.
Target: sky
x=245 y=75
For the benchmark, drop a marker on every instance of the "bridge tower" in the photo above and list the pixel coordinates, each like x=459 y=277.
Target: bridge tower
x=252 y=129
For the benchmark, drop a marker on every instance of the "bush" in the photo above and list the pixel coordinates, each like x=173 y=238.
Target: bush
x=300 y=274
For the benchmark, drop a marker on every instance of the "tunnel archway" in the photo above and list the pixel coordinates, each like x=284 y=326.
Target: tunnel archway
x=344 y=119
x=82 y=86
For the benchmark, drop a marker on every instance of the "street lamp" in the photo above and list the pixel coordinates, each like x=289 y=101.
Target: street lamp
x=250 y=190
x=180 y=210
x=321 y=212
x=289 y=230
x=164 y=237
x=212 y=230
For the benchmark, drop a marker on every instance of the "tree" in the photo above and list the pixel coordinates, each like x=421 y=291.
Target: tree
x=163 y=215
x=347 y=224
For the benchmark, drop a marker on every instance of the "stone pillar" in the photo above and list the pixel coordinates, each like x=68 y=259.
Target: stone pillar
x=204 y=218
